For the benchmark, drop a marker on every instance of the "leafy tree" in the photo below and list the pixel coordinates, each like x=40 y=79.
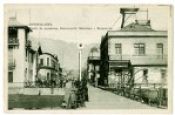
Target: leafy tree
x=93 y=49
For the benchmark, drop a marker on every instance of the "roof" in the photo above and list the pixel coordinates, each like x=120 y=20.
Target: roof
x=53 y=55
x=137 y=34
x=31 y=50
x=14 y=23
x=138 y=26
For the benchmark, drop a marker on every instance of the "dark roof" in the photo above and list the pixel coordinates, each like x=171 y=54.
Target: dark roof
x=54 y=56
x=31 y=50
x=129 y=10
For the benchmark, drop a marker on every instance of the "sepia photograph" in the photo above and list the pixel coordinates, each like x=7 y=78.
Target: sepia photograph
x=88 y=58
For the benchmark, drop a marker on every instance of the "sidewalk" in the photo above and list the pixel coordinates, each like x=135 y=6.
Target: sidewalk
x=101 y=99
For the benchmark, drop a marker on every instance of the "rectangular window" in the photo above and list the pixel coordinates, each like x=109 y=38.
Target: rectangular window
x=41 y=62
x=10 y=77
x=10 y=57
x=163 y=76
x=12 y=33
x=47 y=61
x=160 y=48
x=118 y=48
x=13 y=36
x=139 y=48
x=26 y=54
x=163 y=73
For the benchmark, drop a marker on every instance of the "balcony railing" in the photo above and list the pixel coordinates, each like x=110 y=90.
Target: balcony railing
x=47 y=67
x=141 y=59
x=13 y=41
x=150 y=85
x=11 y=65
x=94 y=58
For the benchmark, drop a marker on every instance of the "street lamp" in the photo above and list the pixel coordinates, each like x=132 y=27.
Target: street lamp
x=80 y=47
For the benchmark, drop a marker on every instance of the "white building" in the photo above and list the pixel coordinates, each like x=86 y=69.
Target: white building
x=21 y=57
x=49 y=68
x=135 y=54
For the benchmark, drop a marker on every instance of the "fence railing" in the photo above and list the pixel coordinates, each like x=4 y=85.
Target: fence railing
x=150 y=93
x=150 y=85
x=37 y=84
x=13 y=41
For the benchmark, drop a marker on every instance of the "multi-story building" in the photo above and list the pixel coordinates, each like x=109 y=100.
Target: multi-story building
x=93 y=66
x=49 y=68
x=134 y=54
x=22 y=59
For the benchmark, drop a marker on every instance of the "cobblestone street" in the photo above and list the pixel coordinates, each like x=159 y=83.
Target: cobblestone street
x=100 y=99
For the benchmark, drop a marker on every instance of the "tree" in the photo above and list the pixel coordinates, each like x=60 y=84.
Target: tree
x=93 y=49
x=84 y=73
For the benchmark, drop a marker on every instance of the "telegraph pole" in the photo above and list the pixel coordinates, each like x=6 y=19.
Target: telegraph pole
x=80 y=47
x=80 y=64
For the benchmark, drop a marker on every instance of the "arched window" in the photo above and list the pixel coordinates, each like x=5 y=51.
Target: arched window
x=47 y=61
x=48 y=78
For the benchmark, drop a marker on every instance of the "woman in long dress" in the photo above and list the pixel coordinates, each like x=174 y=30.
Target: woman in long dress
x=70 y=97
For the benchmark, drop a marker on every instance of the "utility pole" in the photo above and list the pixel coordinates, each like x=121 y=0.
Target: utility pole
x=80 y=64
x=80 y=47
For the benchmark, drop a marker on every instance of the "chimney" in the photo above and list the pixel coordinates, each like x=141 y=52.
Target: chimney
x=126 y=12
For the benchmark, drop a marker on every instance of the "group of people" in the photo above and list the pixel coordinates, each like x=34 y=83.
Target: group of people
x=76 y=93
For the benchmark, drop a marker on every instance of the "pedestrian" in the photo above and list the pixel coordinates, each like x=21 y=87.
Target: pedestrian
x=70 y=95
x=86 y=94
x=85 y=89
x=78 y=92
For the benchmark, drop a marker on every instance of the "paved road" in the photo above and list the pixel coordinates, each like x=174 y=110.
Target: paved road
x=101 y=99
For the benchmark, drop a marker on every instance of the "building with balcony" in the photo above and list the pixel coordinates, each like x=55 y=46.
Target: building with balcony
x=93 y=66
x=22 y=59
x=49 y=68
x=134 y=54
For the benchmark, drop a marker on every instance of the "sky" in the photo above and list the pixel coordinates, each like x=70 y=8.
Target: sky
x=80 y=23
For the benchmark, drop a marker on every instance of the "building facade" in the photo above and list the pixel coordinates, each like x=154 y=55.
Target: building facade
x=49 y=69
x=93 y=67
x=21 y=57
x=135 y=54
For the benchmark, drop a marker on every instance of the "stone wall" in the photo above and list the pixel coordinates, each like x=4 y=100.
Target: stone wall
x=37 y=91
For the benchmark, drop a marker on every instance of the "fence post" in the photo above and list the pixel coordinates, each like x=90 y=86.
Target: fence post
x=140 y=96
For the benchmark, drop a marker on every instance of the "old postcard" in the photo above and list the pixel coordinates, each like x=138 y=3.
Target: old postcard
x=100 y=58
